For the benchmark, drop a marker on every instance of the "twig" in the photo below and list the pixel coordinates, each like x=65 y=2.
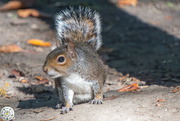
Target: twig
x=48 y=119
x=176 y=90
x=113 y=97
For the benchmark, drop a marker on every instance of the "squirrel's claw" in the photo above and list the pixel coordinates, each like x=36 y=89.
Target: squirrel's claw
x=59 y=105
x=66 y=109
x=96 y=101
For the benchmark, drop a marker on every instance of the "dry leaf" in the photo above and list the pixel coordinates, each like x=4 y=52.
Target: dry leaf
x=3 y=89
x=121 y=3
x=128 y=88
x=48 y=119
x=8 y=97
x=16 y=4
x=123 y=77
x=24 y=81
x=10 y=49
x=43 y=81
x=38 y=42
x=168 y=17
x=31 y=12
x=158 y=104
x=17 y=73
x=176 y=90
x=3 y=92
x=38 y=78
x=12 y=5
x=107 y=90
x=160 y=100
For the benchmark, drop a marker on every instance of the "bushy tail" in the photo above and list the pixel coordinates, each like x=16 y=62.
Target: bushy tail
x=83 y=26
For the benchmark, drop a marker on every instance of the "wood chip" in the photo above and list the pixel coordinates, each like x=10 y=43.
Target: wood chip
x=158 y=104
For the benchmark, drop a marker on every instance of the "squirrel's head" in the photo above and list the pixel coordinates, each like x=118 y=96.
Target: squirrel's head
x=60 y=60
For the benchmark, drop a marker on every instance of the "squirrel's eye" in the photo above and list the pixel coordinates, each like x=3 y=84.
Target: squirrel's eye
x=61 y=59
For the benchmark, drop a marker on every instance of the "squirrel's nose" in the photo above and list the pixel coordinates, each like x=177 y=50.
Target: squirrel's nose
x=45 y=69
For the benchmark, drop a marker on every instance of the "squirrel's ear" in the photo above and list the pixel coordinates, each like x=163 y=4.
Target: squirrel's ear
x=58 y=44
x=71 y=49
x=93 y=42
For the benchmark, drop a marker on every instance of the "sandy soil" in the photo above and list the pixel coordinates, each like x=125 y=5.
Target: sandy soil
x=142 y=41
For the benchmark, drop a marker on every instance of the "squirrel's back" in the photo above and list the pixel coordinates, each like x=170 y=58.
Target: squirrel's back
x=81 y=26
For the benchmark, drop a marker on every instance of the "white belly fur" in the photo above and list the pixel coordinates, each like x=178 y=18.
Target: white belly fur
x=81 y=88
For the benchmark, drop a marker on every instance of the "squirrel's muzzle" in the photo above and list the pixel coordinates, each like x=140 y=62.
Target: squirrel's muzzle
x=45 y=69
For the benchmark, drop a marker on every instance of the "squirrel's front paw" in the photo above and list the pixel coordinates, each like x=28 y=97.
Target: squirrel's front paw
x=96 y=101
x=66 y=109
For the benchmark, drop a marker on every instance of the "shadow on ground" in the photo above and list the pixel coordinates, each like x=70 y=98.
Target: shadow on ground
x=43 y=99
x=136 y=47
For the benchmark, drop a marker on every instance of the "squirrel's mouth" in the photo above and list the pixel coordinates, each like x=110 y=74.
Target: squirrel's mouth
x=53 y=74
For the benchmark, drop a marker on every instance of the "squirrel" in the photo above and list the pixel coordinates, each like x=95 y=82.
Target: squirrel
x=75 y=65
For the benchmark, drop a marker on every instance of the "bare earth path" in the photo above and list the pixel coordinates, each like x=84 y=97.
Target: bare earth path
x=142 y=41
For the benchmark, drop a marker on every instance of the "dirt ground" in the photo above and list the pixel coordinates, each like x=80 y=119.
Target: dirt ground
x=141 y=40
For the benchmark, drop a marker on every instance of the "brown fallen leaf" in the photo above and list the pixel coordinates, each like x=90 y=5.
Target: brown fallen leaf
x=128 y=88
x=23 y=13
x=110 y=98
x=174 y=91
x=160 y=100
x=8 y=97
x=107 y=90
x=43 y=81
x=122 y=3
x=38 y=42
x=16 y=4
x=10 y=49
x=39 y=78
x=17 y=73
x=168 y=18
x=12 y=5
x=3 y=89
x=24 y=81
